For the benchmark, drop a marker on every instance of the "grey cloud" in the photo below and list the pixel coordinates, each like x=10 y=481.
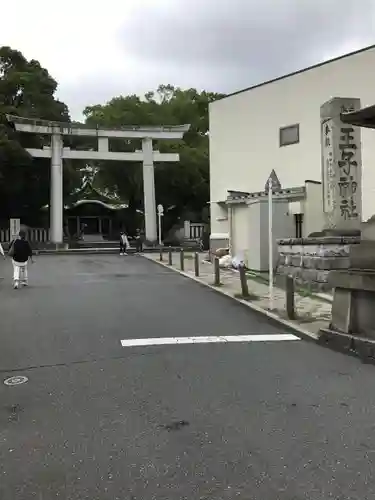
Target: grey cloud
x=226 y=44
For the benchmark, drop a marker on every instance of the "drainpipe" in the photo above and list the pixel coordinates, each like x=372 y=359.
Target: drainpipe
x=230 y=224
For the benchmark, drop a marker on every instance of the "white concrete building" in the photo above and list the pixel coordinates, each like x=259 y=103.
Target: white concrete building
x=276 y=126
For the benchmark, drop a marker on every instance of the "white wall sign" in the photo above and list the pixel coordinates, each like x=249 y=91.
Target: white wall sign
x=328 y=167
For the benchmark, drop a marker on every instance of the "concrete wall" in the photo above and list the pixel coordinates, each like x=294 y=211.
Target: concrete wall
x=219 y=220
x=250 y=231
x=282 y=227
x=310 y=260
x=368 y=230
x=241 y=230
x=244 y=131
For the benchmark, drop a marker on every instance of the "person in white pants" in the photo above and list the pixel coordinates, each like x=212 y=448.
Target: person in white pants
x=124 y=243
x=21 y=252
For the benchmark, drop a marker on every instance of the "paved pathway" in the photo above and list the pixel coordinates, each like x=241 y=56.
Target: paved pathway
x=275 y=420
x=312 y=312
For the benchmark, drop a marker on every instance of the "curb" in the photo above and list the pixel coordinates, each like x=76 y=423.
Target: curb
x=361 y=348
x=300 y=332
x=93 y=250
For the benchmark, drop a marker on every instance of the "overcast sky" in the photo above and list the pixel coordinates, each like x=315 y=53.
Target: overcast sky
x=97 y=50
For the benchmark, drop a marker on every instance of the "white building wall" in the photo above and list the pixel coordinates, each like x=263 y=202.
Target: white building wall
x=244 y=130
x=241 y=230
x=282 y=227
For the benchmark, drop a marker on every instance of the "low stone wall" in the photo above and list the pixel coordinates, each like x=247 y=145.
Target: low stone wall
x=309 y=260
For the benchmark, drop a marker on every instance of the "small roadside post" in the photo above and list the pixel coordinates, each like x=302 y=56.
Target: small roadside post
x=169 y=256
x=196 y=264
x=243 y=280
x=216 y=272
x=289 y=290
x=182 y=259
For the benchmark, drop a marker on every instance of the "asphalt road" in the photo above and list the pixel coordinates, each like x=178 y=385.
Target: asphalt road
x=97 y=421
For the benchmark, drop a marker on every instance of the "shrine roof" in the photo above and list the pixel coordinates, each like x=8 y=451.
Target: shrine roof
x=87 y=193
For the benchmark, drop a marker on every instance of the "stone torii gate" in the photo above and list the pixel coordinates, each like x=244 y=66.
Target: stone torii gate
x=57 y=152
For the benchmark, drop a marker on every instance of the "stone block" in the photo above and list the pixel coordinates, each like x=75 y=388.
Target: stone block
x=353 y=310
x=322 y=276
x=336 y=340
x=365 y=349
x=296 y=260
x=282 y=259
x=341 y=311
x=332 y=263
x=309 y=262
x=362 y=256
x=353 y=280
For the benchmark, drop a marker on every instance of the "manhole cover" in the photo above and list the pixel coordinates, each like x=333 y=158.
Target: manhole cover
x=16 y=380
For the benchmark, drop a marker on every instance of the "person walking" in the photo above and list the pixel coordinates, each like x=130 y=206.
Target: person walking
x=138 y=241
x=124 y=243
x=21 y=252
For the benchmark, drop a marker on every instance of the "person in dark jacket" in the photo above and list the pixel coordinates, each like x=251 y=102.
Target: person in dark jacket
x=138 y=241
x=20 y=251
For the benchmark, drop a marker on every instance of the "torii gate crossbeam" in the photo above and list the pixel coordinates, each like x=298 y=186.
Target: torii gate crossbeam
x=56 y=151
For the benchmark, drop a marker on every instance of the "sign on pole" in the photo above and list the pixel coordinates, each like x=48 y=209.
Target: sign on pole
x=160 y=215
x=270 y=242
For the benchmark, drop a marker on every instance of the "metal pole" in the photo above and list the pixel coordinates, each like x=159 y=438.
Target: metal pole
x=217 y=271
x=182 y=259
x=270 y=244
x=159 y=224
x=244 y=285
x=170 y=256
x=161 y=254
x=196 y=263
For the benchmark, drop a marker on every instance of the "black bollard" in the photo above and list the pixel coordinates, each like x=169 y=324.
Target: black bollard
x=170 y=256
x=216 y=271
x=289 y=291
x=161 y=255
x=182 y=261
x=196 y=264
x=243 y=280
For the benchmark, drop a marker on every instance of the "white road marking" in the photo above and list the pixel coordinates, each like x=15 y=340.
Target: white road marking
x=207 y=340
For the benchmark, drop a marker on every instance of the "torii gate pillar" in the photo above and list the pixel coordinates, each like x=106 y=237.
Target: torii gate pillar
x=149 y=190
x=56 y=205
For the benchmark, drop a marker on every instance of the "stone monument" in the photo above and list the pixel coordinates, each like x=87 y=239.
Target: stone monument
x=310 y=260
x=353 y=309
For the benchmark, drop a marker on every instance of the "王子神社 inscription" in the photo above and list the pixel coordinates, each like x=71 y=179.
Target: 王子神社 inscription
x=341 y=168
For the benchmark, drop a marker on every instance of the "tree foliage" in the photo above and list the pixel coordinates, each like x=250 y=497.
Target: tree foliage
x=183 y=188
x=26 y=89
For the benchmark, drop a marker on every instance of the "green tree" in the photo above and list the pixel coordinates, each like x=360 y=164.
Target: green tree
x=26 y=89
x=182 y=188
